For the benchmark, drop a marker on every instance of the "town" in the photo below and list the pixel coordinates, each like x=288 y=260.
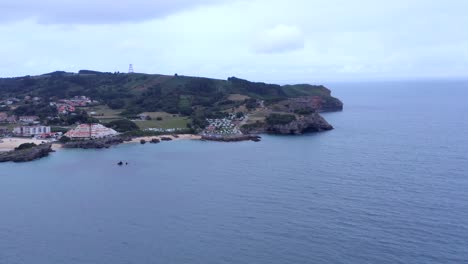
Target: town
x=45 y=127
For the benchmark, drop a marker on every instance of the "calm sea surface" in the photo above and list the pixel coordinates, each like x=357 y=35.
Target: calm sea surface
x=388 y=185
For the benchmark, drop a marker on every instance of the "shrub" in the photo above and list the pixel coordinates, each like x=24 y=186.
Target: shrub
x=25 y=146
x=123 y=125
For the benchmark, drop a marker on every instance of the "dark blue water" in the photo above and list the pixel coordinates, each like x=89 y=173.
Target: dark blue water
x=388 y=185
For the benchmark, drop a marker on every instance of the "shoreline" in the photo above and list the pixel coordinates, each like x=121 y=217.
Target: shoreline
x=172 y=137
x=10 y=143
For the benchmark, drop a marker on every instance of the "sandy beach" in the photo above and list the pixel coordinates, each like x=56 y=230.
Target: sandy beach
x=8 y=144
x=180 y=137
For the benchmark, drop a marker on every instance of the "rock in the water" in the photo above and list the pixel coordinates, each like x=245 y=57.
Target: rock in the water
x=155 y=141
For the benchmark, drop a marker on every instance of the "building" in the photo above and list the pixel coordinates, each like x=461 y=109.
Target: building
x=28 y=131
x=90 y=131
x=28 y=119
x=65 y=109
x=4 y=131
x=11 y=119
x=3 y=117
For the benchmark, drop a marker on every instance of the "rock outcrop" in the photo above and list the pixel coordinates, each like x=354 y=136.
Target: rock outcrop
x=310 y=123
x=234 y=138
x=314 y=103
x=28 y=154
x=96 y=143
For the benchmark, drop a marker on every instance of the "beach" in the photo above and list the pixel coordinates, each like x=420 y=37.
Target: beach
x=8 y=144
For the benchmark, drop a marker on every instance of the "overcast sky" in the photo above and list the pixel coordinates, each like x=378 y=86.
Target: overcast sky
x=263 y=40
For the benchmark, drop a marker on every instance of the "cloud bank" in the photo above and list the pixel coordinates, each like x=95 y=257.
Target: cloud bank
x=280 y=39
x=94 y=11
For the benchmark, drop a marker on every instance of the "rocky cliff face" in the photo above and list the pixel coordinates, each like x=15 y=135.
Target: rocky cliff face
x=310 y=123
x=331 y=105
x=25 y=155
x=314 y=103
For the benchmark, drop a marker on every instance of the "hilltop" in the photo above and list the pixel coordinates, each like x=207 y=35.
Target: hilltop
x=191 y=99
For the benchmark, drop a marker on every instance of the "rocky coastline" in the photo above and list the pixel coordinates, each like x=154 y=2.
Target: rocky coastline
x=310 y=123
x=29 y=154
x=96 y=143
x=236 y=138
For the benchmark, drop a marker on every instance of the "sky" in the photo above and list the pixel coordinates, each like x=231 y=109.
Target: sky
x=262 y=40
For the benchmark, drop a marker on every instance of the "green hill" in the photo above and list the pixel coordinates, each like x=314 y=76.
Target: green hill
x=136 y=93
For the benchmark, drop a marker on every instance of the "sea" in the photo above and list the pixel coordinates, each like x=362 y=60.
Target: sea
x=388 y=185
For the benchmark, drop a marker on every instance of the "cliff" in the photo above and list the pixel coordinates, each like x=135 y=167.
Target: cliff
x=311 y=123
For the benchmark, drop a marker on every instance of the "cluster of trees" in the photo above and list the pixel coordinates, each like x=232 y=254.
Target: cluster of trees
x=122 y=125
x=42 y=110
x=80 y=117
x=25 y=146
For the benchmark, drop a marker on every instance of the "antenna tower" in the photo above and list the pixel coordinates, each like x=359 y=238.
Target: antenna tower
x=130 y=69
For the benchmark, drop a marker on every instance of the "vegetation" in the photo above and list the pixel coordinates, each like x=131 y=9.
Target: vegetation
x=168 y=122
x=25 y=146
x=280 y=119
x=122 y=125
x=127 y=95
x=64 y=139
x=304 y=111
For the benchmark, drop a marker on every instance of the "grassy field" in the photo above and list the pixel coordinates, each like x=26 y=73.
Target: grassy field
x=104 y=113
x=168 y=121
x=237 y=97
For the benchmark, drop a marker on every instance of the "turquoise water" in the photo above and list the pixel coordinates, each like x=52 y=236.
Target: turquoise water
x=388 y=185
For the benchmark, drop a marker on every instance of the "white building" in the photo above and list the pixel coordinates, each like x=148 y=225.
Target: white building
x=87 y=131
x=28 y=131
x=28 y=119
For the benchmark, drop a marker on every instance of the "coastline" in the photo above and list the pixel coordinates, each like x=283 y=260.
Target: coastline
x=10 y=143
x=172 y=137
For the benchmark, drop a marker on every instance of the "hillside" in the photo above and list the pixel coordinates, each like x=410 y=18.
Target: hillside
x=132 y=94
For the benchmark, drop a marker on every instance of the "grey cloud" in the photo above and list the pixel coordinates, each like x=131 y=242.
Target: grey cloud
x=94 y=11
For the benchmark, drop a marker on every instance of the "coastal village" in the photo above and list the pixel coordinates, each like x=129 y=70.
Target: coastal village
x=35 y=129
x=79 y=121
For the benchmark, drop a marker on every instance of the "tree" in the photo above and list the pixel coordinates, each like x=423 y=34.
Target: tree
x=64 y=139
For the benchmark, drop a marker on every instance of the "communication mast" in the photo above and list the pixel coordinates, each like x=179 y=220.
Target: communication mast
x=130 y=69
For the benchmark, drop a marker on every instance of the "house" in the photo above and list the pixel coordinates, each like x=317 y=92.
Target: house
x=65 y=109
x=28 y=119
x=144 y=116
x=90 y=131
x=28 y=131
x=3 y=117
x=11 y=119
x=4 y=131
